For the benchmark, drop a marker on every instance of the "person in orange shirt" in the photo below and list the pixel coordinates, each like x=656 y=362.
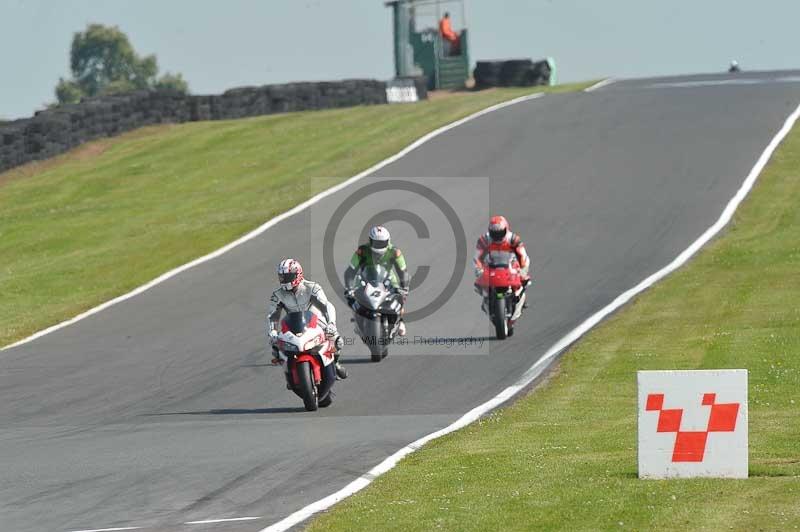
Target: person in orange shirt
x=447 y=33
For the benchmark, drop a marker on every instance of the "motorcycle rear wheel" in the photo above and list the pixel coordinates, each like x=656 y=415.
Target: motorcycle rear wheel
x=306 y=387
x=378 y=353
x=326 y=402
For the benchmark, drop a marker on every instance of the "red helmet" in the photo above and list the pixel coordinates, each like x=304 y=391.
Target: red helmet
x=498 y=228
x=290 y=274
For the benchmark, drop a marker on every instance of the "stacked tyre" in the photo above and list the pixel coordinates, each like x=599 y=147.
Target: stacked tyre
x=511 y=73
x=487 y=74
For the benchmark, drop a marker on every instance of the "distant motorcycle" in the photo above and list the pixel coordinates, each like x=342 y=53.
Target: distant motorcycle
x=376 y=307
x=498 y=285
x=308 y=355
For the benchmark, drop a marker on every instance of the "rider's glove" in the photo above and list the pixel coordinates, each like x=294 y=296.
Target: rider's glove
x=403 y=293
x=273 y=340
x=350 y=296
x=330 y=330
x=478 y=271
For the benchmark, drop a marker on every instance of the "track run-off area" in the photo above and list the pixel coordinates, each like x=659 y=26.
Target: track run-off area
x=162 y=412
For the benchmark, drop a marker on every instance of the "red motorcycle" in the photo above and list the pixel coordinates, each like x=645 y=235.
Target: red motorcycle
x=308 y=357
x=501 y=287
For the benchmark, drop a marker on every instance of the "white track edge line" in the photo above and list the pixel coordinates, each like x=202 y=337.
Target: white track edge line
x=226 y=520
x=600 y=84
x=540 y=365
x=109 y=529
x=273 y=221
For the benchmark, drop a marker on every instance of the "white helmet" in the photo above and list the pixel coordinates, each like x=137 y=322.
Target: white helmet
x=290 y=274
x=379 y=239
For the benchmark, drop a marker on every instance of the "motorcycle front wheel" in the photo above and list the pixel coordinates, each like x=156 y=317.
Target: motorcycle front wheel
x=306 y=387
x=374 y=340
x=499 y=317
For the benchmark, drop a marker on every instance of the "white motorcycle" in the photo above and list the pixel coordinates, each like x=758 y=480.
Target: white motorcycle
x=376 y=309
x=308 y=355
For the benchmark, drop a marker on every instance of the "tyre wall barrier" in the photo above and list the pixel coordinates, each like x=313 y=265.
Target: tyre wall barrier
x=512 y=73
x=56 y=130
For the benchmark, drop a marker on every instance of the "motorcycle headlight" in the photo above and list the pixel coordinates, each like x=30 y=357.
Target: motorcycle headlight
x=288 y=348
x=313 y=343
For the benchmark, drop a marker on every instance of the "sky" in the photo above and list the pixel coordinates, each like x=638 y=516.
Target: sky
x=220 y=44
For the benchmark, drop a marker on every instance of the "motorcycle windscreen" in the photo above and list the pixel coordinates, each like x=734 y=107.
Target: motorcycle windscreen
x=374 y=275
x=296 y=321
x=372 y=286
x=500 y=259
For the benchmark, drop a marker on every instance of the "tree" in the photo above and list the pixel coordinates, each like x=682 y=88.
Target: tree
x=68 y=91
x=103 y=61
x=173 y=82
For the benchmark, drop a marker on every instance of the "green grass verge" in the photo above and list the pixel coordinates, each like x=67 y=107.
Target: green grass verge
x=565 y=456
x=112 y=215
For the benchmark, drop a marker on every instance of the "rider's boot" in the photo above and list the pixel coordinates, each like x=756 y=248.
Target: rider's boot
x=276 y=361
x=401 y=328
x=524 y=289
x=341 y=372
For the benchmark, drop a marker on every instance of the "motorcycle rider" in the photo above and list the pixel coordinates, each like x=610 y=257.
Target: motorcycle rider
x=296 y=294
x=380 y=251
x=499 y=237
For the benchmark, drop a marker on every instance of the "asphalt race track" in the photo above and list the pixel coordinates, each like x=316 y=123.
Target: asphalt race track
x=163 y=409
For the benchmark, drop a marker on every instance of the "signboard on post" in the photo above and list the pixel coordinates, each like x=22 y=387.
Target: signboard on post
x=401 y=91
x=693 y=424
